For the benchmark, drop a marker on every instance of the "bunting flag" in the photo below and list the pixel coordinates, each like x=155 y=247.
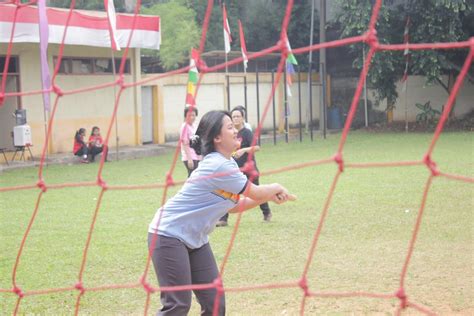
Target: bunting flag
x=290 y=70
x=243 y=47
x=227 y=36
x=406 y=54
x=192 y=78
x=112 y=18
x=43 y=38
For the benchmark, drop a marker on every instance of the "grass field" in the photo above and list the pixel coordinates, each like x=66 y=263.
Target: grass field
x=362 y=246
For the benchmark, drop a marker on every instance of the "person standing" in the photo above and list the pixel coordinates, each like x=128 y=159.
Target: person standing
x=188 y=154
x=178 y=235
x=242 y=108
x=245 y=137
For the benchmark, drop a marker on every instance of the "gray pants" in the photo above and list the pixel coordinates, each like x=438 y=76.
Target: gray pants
x=176 y=264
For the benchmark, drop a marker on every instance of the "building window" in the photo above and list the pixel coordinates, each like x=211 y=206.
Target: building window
x=12 y=64
x=90 y=66
x=13 y=76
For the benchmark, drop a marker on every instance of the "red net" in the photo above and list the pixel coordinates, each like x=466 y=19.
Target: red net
x=369 y=37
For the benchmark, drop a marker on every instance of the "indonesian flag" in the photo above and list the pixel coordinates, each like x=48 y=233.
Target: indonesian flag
x=192 y=78
x=290 y=70
x=112 y=18
x=406 y=54
x=243 y=48
x=227 y=37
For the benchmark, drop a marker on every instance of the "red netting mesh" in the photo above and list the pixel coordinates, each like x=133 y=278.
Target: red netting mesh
x=369 y=37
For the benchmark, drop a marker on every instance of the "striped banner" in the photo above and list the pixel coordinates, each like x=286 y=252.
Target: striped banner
x=89 y=28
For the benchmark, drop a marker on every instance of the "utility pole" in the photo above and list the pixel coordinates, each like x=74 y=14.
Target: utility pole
x=310 y=63
x=322 y=68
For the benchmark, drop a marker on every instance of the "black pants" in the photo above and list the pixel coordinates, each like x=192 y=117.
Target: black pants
x=83 y=151
x=176 y=264
x=94 y=151
x=264 y=207
x=195 y=162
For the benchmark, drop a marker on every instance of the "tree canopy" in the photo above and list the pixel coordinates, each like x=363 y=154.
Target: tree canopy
x=430 y=21
x=182 y=22
x=180 y=30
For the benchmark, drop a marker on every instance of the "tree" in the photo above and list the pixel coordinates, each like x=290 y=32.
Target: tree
x=431 y=21
x=180 y=32
x=261 y=20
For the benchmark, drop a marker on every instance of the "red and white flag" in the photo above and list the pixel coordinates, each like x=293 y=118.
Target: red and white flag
x=243 y=48
x=110 y=8
x=406 y=54
x=84 y=28
x=227 y=36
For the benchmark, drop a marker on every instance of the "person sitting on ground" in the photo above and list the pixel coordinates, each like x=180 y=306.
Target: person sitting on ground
x=245 y=137
x=188 y=154
x=80 y=146
x=96 y=144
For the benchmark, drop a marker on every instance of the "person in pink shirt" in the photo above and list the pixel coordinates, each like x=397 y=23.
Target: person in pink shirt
x=188 y=130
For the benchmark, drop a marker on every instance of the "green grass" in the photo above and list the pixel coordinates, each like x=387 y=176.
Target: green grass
x=362 y=246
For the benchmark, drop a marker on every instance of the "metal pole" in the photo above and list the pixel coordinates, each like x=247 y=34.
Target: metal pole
x=323 y=86
x=365 y=89
x=406 y=105
x=115 y=96
x=299 y=104
x=45 y=117
x=285 y=105
x=310 y=103
x=228 y=91
x=322 y=60
x=245 y=98
x=258 y=99
x=273 y=105
x=226 y=70
x=310 y=64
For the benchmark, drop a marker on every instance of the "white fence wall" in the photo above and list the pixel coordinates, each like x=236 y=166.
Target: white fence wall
x=212 y=95
x=418 y=92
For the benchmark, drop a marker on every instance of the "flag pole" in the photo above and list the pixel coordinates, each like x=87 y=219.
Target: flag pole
x=406 y=106
x=365 y=89
x=310 y=63
x=115 y=95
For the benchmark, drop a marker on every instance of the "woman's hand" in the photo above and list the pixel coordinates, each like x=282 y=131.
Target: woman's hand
x=282 y=195
x=239 y=153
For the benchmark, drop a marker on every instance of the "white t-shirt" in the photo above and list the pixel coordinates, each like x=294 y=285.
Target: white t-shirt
x=248 y=126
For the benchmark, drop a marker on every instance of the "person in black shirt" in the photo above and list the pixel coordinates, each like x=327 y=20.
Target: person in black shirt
x=245 y=137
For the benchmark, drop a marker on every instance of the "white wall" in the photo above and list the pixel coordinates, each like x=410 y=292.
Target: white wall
x=212 y=95
x=418 y=92
x=85 y=109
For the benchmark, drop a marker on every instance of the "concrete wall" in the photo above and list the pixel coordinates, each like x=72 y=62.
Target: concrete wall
x=85 y=109
x=418 y=92
x=212 y=95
